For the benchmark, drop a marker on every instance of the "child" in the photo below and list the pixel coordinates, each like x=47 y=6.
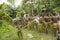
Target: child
x=19 y=26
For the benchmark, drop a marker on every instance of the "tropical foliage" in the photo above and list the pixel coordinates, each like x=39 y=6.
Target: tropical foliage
x=32 y=8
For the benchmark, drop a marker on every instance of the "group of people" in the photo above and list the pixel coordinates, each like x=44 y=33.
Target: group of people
x=52 y=20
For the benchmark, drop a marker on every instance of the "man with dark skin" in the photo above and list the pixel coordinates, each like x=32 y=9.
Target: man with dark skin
x=19 y=26
x=58 y=36
x=55 y=23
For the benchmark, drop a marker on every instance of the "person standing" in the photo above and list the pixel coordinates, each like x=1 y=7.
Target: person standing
x=58 y=35
x=19 y=26
x=55 y=24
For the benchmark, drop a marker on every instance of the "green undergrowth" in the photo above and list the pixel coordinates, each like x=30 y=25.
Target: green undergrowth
x=6 y=31
x=9 y=32
x=37 y=36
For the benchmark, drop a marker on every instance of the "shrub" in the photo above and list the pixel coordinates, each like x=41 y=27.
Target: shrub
x=6 y=31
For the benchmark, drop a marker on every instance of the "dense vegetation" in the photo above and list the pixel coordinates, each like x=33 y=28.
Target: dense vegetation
x=9 y=17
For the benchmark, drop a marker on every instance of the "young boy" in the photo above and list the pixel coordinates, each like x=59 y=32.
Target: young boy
x=19 y=26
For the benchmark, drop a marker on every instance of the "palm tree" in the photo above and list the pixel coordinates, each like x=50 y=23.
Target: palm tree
x=12 y=2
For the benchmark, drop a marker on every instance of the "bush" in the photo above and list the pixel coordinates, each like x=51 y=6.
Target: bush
x=6 y=30
x=29 y=25
x=40 y=28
